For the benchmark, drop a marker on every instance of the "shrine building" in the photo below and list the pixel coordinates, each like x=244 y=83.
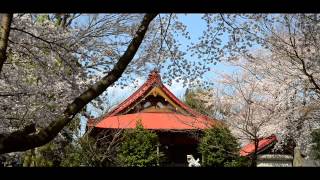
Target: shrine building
x=178 y=127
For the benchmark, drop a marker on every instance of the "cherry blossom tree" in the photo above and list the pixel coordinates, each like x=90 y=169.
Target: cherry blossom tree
x=41 y=53
x=281 y=51
x=290 y=37
x=262 y=99
x=53 y=65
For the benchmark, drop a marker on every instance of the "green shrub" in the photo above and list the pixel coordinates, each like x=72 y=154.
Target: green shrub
x=316 y=143
x=44 y=156
x=220 y=149
x=139 y=148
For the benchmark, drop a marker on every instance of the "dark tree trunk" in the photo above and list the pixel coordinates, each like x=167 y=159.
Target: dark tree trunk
x=4 y=36
x=255 y=153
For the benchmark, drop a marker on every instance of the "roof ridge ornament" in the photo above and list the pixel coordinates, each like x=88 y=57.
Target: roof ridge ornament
x=154 y=76
x=154 y=80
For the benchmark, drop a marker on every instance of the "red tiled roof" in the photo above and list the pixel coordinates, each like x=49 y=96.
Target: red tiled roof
x=263 y=144
x=153 y=80
x=155 y=121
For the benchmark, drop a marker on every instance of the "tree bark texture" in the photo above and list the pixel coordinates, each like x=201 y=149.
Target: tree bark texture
x=4 y=37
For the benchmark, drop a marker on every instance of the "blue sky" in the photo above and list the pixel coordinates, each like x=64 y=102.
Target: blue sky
x=195 y=26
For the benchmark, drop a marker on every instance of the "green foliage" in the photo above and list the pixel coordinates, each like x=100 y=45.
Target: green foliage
x=220 y=149
x=80 y=153
x=139 y=148
x=316 y=143
x=195 y=103
x=58 y=20
x=42 y=18
x=72 y=151
x=238 y=162
x=45 y=156
x=55 y=152
x=74 y=157
x=87 y=151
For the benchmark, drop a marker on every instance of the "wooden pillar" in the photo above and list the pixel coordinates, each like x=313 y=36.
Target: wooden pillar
x=158 y=154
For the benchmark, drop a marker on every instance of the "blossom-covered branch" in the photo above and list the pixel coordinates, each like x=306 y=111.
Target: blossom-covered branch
x=26 y=139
